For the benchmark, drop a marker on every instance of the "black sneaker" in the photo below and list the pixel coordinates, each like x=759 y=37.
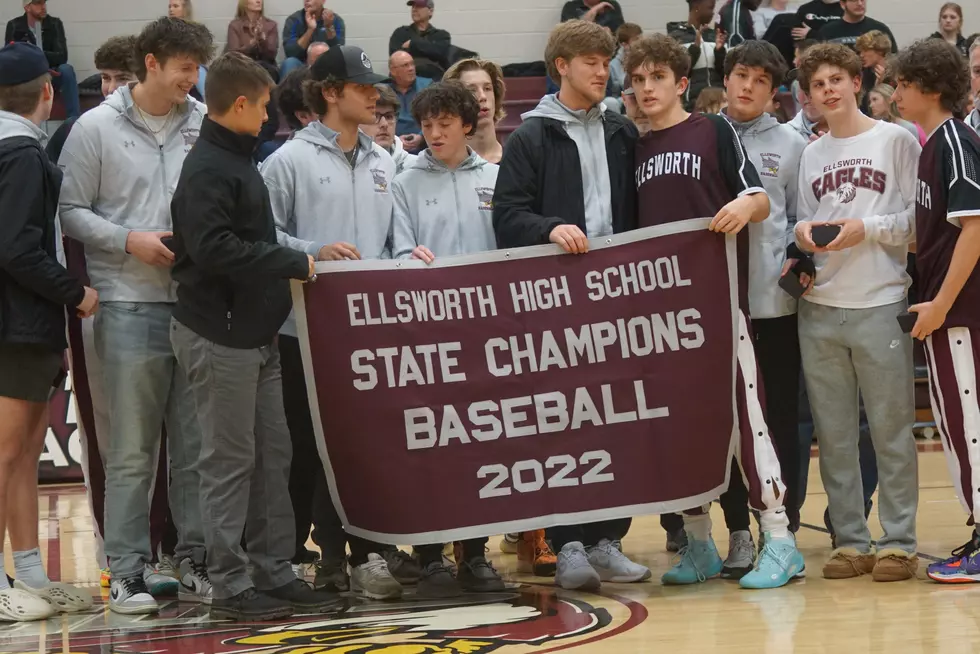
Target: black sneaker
x=302 y=597
x=402 y=566
x=250 y=605
x=676 y=540
x=331 y=575
x=478 y=576
x=438 y=582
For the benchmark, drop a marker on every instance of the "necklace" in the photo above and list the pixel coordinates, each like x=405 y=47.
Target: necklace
x=155 y=132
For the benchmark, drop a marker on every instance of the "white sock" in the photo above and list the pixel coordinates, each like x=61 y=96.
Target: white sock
x=698 y=526
x=29 y=569
x=775 y=523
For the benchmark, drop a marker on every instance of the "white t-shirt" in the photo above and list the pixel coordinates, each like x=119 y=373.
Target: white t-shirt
x=871 y=176
x=157 y=124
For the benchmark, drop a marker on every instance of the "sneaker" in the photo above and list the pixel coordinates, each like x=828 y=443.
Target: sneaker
x=195 y=585
x=437 y=582
x=612 y=565
x=168 y=567
x=63 y=598
x=105 y=578
x=402 y=566
x=250 y=605
x=303 y=598
x=159 y=585
x=374 y=581
x=574 y=572
x=741 y=555
x=331 y=575
x=847 y=563
x=894 y=565
x=534 y=556
x=130 y=596
x=478 y=576
x=962 y=567
x=699 y=562
x=17 y=605
x=676 y=540
x=509 y=544
x=778 y=562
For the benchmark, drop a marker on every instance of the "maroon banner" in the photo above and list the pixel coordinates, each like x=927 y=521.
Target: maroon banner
x=520 y=389
x=61 y=460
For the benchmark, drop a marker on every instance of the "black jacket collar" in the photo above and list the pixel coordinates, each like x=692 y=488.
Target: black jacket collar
x=243 y=144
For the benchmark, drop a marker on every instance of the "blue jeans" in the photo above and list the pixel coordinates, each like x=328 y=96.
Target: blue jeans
x=290 y=64
x=67 y=83
x=145 y=392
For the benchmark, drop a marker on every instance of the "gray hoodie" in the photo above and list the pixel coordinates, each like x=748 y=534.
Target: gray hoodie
x=802 y=125
x=318 y=199
x=403 y=159
x=585 y=129
x=448 y=211
x=119 y=179
x=775 y=151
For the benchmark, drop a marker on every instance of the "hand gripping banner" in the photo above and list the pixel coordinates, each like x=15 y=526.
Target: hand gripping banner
x=521 y=389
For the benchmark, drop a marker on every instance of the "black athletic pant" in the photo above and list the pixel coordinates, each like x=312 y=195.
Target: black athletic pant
x=588 y=534
x=308 y=489
x=472 y=548
x=672 y=522
x=777 y=348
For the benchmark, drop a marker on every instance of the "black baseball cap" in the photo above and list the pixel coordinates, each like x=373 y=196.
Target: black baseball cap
x=421 y=3
x=346 y=63
x=20 y=63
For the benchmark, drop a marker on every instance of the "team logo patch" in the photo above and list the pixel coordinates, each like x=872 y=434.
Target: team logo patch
x=380 y=181
x=770 y=164
x=189 y=134
x=485 y=196
x=365 y=60
x=846 y=193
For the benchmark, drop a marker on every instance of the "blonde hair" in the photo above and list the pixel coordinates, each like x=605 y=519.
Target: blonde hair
x=188 y=10
x=576 y=38
x=242 y=10
x=886 y=91
x=496 y=79
x=710 y=100
x=876 y=41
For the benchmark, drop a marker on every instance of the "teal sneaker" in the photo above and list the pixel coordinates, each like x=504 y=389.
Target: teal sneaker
x=699 y=561
x=779 y=562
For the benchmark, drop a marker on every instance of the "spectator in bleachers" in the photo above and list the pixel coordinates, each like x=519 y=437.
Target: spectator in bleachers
x=873 y=47
x=881 y=107
x=809 y=121
x=626 y=34
x=48 y=33
x=314 y=51
x=853 y=24
x=711 y=101
x=706 y=47
x=974 y=118
x=815 y=14
x=181 y=9
x=428 y=45
x=310 y=24
x=951 y=27
x=608 y=14
x=382 y=130
x=406 y=84
x=254 y=35
x=763 y=16
x=736 y=21
x=485 y=80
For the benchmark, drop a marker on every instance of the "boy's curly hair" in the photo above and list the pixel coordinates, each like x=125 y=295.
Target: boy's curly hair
x=446 y=99
x=935 y=66
x=168 y=37
x=659 y=50
x=830 y=54
x=118 y=53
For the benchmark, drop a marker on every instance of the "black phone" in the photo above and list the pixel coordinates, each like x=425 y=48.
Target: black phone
x=907 y=321
x=823 y=235
x=168 y=242
x=790 y=283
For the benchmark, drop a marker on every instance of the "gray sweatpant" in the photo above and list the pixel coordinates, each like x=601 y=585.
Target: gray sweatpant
x=844 y=350
x=244 y=465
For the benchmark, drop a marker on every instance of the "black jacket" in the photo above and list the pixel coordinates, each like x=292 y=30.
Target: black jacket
x=736 y=20
x=430 y=46
x=611 y=18
x=701 y=78
x=34 y=287
x=961 y=43
x=232 y=276
x=54 y=44
x=539 y=184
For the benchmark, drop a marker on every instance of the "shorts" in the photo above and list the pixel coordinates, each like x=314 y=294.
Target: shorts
x=29 y=372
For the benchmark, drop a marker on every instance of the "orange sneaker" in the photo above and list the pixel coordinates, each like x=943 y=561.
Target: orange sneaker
x=534 y=556
x=105 y=578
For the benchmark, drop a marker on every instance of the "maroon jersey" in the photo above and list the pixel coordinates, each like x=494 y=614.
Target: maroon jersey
x=692 y=170
x=948 y=189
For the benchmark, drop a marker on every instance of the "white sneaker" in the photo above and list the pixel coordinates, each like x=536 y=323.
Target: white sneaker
x=741 y=555
x=508 y=544
x=130 y=596
x=195 y=585
x=159 y=584
x=612 y=565
x=167 y=566
x=18 y=605
x=574 y=570
x=373 y=580
x=64 y=598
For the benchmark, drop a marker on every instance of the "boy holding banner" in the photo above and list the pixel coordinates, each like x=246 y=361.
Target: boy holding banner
x=443 y=201
x=712 y=176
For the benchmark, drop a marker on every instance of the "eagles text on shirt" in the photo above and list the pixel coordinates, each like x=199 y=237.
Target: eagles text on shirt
x=845 y=176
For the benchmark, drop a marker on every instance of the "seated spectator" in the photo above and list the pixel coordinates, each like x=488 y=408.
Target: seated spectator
x=852 y=24
x=711 y=101
x=706 y=47
x=314 y=51
x=735 y=20
x=815 y=14
x=809 y=121
x=607 y=14
x=626 y=34
x=184 y=10
x=428 y=45
x=254 y=35
x=882 y=108
x=386 y=111
x=873 y=47
x=288 y=98
x=485 y=80
x=951 y=27
x=406 y=84
x=48 y=33
x=763 y=16
x=310 y=24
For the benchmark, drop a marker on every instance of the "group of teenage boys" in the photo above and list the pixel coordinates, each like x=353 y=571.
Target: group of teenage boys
x=189 y=248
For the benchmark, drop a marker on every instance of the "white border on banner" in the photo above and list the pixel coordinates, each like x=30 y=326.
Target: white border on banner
x=494 y=256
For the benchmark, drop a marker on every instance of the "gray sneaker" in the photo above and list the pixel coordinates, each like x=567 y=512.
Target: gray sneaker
x=402 y=566
x=130 y=596
x=574 y=571
x=195 y=585
x=612 y=565
x=374 y=581
x=741 y=555
x=331 y=575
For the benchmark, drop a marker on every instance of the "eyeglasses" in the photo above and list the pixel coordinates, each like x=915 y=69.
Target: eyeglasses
x=388 y=115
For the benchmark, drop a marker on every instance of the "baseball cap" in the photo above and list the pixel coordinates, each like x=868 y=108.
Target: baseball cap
x=346 y=63
x=421 y=3
x=20 y=63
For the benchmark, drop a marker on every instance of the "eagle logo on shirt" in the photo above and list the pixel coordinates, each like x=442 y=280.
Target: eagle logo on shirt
x=380 y=180
x=189 y=134
x=846 y=193
x=770 y=164
x=485 y=196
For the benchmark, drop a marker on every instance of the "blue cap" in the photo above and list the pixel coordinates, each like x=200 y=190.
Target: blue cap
x=20 y=63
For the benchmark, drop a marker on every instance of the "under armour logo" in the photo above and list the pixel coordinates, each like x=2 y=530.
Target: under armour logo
x=324 y=180
x=129 y=144
x=431 y=202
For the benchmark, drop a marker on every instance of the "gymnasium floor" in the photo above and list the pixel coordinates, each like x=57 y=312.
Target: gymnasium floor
x=812 y=615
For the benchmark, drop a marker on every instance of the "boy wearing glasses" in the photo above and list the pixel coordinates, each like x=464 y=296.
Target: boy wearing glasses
x=382 y=130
